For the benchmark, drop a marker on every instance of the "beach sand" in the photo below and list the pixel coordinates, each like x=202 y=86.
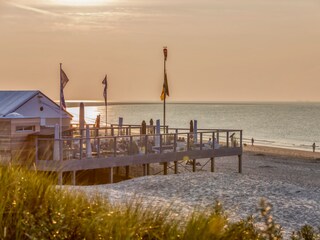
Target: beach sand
x=288 y=179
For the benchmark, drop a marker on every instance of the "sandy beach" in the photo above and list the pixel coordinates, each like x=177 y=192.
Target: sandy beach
x=288 y=179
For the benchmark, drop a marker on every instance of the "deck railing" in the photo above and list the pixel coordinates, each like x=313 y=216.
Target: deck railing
x=127 y=140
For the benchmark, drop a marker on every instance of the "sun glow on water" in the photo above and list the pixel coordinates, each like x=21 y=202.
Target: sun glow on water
x=81 y=2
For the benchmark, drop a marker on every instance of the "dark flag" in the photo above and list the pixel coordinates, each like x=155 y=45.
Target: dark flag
x=63 y=82
x=165 y=53
x=105 y=82
x=165 y=87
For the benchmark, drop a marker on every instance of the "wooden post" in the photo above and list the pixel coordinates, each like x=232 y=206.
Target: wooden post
x=213 y=140
x=175 y=167
x=175 y=142
x=98 y=147
x=110 y=175
x=127 y=171
x=144 y=169
x=201 y=141
x=148 y=169
x=218 y=137
x=212 y=164
x=146 y=143
x=241 y=138
x=165 y=168
x=74 y=178
x=188 y=141
x=81 y=147
x=240 y=163
x=160 y=143
x=60 y=179
x=193 y=165
x=115 y=146
x=227 y=139
x=130 y=145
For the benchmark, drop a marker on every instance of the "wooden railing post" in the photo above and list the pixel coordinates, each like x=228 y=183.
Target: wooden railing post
x=213 y=140
x=146 y=143
x=201 y=141
x=188 y=141
x=98 y=147
x=240 y=138
x=218 y=137
x=175 y=142
x=160 y=143
x=130 y=145
x=227 y=139
x=115 y=146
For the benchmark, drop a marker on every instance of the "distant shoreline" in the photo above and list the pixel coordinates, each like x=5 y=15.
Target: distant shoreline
x=282 y=152
x=101 y=103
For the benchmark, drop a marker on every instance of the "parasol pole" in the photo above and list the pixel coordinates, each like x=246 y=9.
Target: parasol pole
x=60 y=122
x=105 y=95
x=165 y=52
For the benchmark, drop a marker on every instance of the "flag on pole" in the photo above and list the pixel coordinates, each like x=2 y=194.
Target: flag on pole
x=63 y=82
x=105 y=82
x=165 y=87
x=165 y=53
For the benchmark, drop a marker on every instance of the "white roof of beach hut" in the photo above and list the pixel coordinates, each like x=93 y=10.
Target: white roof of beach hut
x=24 y=102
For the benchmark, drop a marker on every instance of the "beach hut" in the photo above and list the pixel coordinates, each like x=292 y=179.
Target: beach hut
x=23 y=116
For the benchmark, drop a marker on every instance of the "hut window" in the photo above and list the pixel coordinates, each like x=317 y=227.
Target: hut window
x=25 y=128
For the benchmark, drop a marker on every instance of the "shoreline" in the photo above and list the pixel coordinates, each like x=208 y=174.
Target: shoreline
x=281 y=152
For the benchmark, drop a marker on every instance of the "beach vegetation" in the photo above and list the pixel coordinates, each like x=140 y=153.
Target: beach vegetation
x=306 y=232
x=33 y=207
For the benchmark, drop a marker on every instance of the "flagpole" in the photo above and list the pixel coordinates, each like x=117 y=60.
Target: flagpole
x=60 y=104
x=164 y=100
x=106 y=106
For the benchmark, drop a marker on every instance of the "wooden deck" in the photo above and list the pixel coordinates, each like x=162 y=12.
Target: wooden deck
x=123 y=147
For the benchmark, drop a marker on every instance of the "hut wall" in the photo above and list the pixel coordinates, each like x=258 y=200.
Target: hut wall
x=5 y=140
x=52 y=121
x=15 y=143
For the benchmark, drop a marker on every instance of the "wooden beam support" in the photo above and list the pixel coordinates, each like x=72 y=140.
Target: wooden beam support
x=165 y=168
x=175 y=167
x=127 y=171
x=110 y=175
x=148 y=169
x=74 y=178
x=240 y=163
x=212 y=164
x=194 y=165
x=144 y=169
x=60 y=178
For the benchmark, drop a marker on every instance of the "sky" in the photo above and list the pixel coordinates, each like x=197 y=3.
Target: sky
x=218 y=50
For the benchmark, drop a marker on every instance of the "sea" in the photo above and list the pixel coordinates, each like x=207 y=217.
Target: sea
x=285 y=125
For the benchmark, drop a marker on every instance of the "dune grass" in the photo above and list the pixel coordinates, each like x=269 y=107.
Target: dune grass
x=32 y=207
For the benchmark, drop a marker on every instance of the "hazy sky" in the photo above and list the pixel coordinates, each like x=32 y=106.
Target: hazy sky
x=218 y=50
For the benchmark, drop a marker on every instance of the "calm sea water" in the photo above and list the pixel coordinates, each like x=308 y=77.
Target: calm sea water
x=288 y=125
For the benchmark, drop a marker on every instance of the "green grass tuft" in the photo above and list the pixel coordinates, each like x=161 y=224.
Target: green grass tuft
x=32 y=207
